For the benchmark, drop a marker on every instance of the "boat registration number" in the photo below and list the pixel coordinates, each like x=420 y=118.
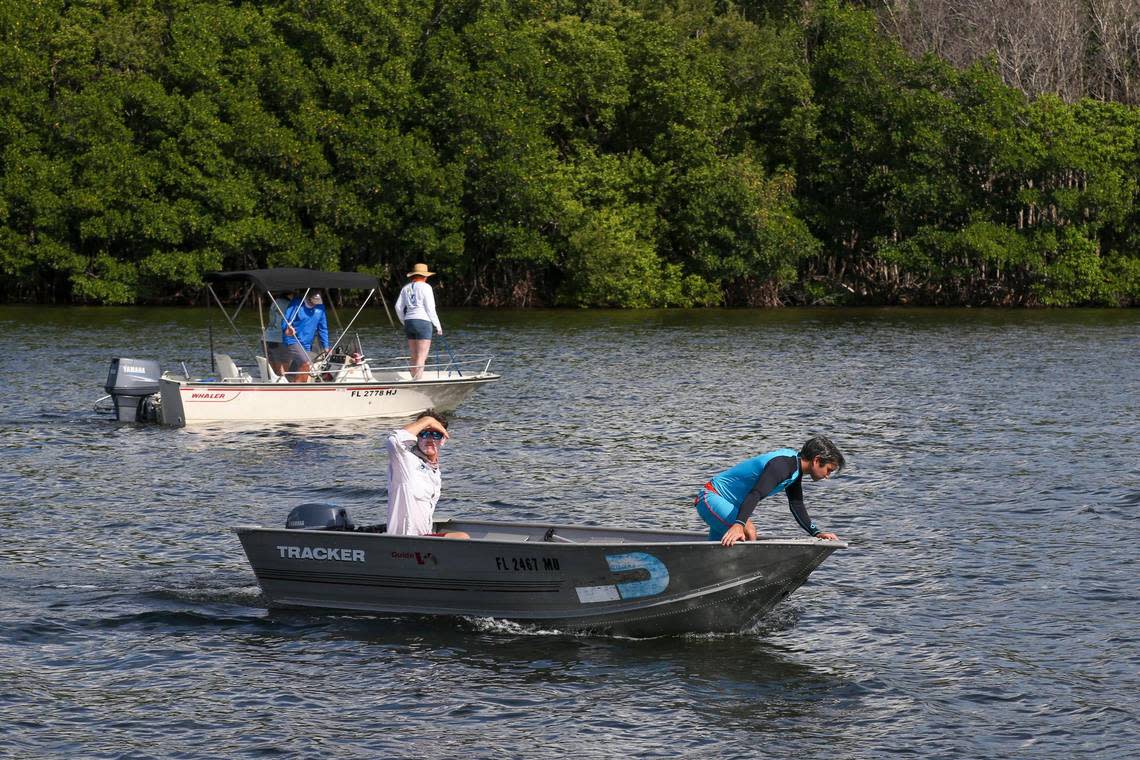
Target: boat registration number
x=526 y=564
x=373 y=392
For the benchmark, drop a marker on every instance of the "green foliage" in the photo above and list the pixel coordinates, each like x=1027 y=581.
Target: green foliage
x=1121 y=284
x=582 y=152
x=983 y=263
x=932 y=185
x=1071 y=271
x=611 y=264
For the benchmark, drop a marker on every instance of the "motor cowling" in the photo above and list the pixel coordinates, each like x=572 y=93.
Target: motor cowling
x=317 y=516
x=130 y=382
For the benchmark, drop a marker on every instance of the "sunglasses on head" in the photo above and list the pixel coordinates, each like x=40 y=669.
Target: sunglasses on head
x=435 y=435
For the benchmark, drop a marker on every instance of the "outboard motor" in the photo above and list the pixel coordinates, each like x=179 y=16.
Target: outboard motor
x=130 y=382
x=316 y=516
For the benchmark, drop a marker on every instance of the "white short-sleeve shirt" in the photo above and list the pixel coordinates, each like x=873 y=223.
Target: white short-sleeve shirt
x=413 y=487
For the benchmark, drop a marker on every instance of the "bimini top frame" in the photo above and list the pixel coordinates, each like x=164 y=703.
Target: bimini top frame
x=295 y=279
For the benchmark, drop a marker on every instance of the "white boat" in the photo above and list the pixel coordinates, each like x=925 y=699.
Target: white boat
x=343 y=385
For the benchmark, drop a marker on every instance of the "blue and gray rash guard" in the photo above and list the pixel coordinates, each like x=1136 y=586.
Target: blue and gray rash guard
x=308 y=321
x=753 y=479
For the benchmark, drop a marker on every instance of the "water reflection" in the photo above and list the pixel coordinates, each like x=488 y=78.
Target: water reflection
x=732 y=677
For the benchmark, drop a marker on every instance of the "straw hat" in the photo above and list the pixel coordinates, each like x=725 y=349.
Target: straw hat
x=421 y=270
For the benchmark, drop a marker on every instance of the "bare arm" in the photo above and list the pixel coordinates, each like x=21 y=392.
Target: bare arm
x=426 y=423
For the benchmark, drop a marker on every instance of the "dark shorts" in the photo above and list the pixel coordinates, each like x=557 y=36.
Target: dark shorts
x=418 y=329
x=277 y=352
x=294 y=356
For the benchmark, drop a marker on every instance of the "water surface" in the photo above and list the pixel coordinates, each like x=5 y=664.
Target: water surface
x=987 y=606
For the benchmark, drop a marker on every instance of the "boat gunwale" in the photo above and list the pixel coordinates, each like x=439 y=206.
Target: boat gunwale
x=694 y=537
x=324 y=384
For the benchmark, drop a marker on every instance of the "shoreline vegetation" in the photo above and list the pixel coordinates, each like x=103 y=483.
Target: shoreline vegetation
x=586 y=153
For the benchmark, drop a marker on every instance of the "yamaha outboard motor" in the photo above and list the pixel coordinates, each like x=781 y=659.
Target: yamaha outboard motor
x=130 y=382
x=315 y=516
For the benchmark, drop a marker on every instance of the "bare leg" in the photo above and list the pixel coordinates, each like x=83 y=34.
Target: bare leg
x=412 y=357
x=418 y=349
x=297 y=362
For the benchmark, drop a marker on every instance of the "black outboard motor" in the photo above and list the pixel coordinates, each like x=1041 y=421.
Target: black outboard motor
x=316 y=516
x=130 y=382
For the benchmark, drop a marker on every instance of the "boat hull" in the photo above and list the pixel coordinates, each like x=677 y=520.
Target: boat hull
x=636 y=583
x=186 y=402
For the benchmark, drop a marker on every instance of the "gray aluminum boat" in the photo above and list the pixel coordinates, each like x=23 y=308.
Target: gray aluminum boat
x=572 y=578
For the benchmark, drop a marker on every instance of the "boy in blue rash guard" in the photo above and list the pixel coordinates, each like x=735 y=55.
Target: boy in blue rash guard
x=304 y=320
x=727 y=501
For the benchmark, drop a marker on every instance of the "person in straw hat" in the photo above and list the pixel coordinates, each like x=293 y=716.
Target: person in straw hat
x=416 y=309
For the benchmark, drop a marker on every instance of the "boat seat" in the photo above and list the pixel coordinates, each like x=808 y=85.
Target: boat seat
x=267 y=373
x=553 y=537
x=518 y=537
x=228 y=371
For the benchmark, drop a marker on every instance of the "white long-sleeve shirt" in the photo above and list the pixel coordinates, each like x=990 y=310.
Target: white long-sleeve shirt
x=413 y=487
x=417 y=301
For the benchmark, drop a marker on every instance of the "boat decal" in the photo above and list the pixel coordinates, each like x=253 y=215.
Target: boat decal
x=657 y=581
x=594 y=594
x=369 y=392
x=421 y=558
x=250 y=388
x=209 y=395
x=329 y=554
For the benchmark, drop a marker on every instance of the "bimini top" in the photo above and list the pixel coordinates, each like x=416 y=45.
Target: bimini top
x=296 y=279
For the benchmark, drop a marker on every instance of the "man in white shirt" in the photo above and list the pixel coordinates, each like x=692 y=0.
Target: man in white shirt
x=414 y=481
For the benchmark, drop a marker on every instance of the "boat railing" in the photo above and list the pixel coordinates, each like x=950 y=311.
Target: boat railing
x=361 y=369
x=459 y=366
x=397 y=369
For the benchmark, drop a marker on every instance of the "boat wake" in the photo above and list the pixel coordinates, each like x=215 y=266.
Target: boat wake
x=512 y=628
x=783 y=618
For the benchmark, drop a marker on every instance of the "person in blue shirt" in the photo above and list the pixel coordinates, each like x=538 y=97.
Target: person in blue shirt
x=727 y=502
x=304 y=320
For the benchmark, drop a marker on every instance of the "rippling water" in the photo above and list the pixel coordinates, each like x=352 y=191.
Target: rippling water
x=987 y=606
